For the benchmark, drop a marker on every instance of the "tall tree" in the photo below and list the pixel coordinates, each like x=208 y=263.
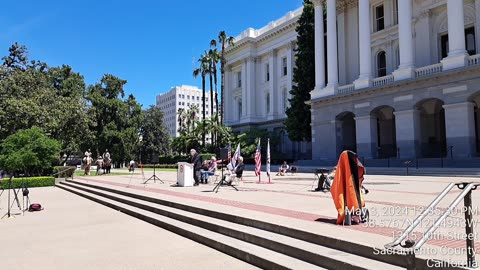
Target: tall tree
x=298 y=114
x=117 y=121
x=202 y=70
x=224 y=40
x=155 y=138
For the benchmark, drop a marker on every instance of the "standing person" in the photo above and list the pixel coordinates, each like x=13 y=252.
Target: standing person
x=196 y=160
x=99 y=165
x=131 y=166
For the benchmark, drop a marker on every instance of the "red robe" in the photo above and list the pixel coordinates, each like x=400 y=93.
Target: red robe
x=346 y=185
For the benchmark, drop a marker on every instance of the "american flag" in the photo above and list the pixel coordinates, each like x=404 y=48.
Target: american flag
x=268 y=158
x=258 y=160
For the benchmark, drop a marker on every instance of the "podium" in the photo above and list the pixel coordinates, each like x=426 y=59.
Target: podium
x=185 y=174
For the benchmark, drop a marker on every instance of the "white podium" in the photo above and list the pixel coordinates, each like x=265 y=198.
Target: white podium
x=185 y=174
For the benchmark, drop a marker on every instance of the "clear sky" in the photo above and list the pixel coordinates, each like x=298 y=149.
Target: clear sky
x=154 y=45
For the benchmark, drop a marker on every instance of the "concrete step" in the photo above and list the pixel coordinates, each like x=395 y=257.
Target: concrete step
x=335 y=244
x=255 y=255
x=304 y=251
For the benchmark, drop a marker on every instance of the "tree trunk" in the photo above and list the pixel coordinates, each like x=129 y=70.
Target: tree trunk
x=203 y=101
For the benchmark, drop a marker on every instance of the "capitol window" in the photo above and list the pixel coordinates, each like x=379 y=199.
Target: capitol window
x=379 y=18
x=284 y=66
x=267 y=71
x=239 y=79
x=381 y=64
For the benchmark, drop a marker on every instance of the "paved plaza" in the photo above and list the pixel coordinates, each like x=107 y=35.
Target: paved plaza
x=75 y=233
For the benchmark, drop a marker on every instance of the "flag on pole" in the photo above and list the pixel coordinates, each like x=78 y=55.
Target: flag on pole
x=258 y=161
x=268 y=159
x=233 y=161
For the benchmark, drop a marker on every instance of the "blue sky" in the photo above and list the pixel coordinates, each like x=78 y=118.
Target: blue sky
x=154 y=45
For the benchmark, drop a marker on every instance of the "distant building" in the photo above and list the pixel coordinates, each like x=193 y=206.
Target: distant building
x=182 y=96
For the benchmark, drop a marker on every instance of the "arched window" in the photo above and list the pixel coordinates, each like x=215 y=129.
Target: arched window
x=397 y=57
x=268 y=102
x=381 y=64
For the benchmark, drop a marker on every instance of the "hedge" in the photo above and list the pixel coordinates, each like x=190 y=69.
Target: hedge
x=160 y=166
x=40 y=181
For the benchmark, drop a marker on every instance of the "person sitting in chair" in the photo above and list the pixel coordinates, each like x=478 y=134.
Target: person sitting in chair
x=238 y=171
x=210 y=170
x=283 y=169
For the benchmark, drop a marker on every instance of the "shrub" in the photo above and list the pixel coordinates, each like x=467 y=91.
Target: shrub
x=160 y=166
x=41 y=181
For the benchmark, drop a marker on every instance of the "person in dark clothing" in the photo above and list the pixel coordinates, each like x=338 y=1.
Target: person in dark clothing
x=238 y=171
x=196 y=160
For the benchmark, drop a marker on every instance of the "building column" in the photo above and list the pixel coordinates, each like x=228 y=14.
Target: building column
x=460 y=128
x=272 y=84
x=319 y=48
x=244 y=89
x=227 y=96
x=406 y=68
x=457 y=55
x=332 y=58
x=365 y=50
x=366 y=136
x=407 y=126
x=250 y=86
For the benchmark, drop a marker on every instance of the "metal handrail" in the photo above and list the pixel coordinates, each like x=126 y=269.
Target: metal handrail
x=432 y=228
x=419 y=219
x=466 y=194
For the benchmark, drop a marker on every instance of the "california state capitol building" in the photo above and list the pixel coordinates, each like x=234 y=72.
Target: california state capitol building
x=394 y=79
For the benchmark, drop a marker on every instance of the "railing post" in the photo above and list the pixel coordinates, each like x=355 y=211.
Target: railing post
x=469 y=230
x=451 y=151
x=407 y=163
x=398 y=152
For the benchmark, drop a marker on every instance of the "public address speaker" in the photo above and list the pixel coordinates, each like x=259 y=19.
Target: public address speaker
x=223 y=153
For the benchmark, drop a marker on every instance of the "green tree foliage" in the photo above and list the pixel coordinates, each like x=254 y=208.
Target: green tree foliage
x=224 y=40
x=155 y=138
x=51 y=98
x=298 y=115
x=29 y=151
x=117 y=122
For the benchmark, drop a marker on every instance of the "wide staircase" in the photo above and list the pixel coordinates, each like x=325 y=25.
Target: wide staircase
x=262 y=244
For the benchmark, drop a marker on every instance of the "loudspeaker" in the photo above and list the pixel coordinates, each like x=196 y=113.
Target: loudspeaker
x=223 y=153
x=154 y=159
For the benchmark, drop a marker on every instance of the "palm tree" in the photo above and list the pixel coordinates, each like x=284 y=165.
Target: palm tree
x=202 y=70
x=223 y=40
x=214 y=56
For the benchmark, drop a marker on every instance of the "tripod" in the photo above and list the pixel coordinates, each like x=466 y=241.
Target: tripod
x=25 y=192
x=154 y=177
x=15 y=193
x=223 y=182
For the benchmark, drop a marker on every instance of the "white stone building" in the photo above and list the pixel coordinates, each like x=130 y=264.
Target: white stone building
x=258 y=79
x=182 y=96
x=400 y=78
